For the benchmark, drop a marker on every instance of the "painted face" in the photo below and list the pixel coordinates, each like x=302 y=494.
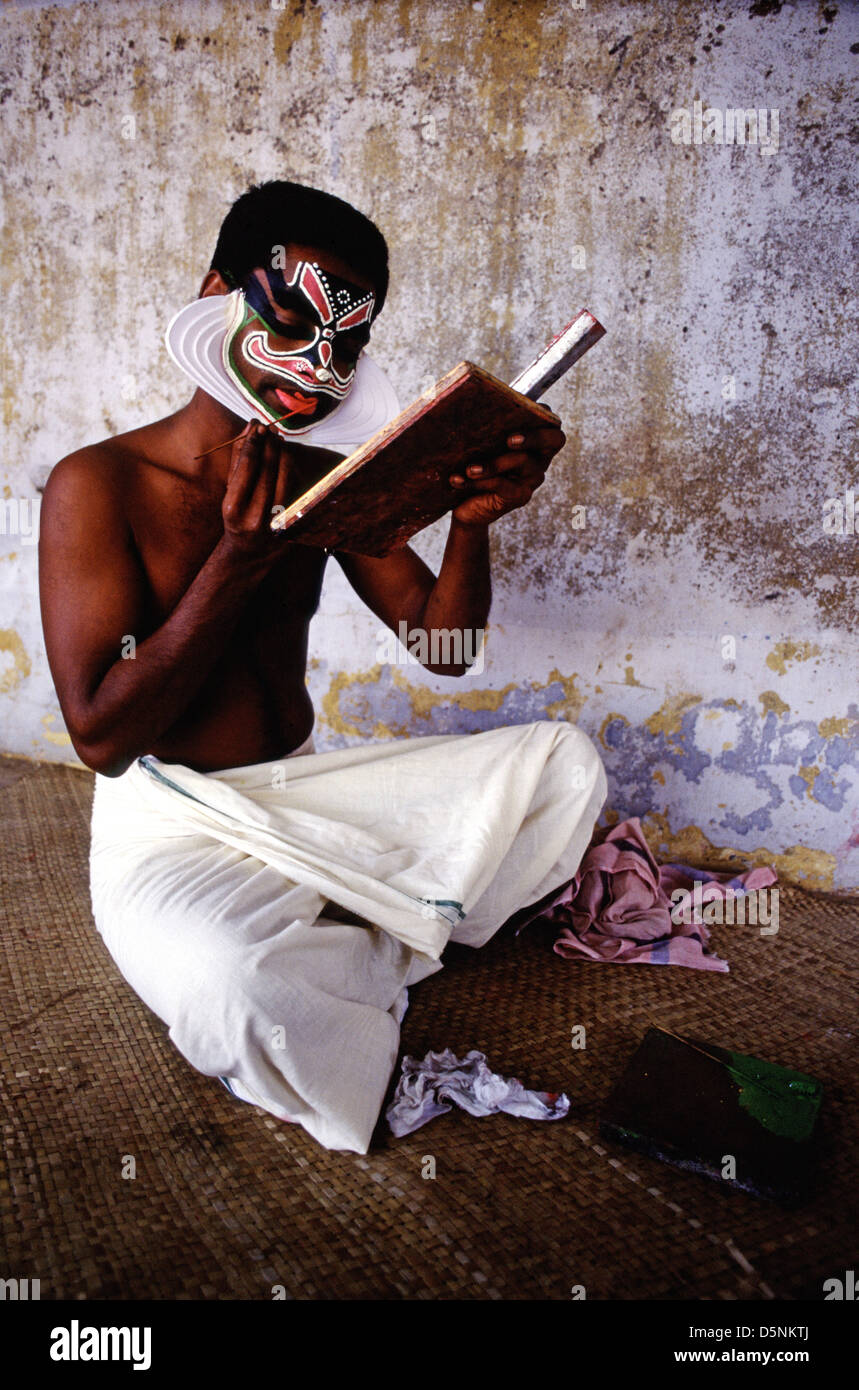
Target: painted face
x=292 y=345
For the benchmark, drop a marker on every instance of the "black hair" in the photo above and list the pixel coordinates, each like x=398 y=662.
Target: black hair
x=278 y=212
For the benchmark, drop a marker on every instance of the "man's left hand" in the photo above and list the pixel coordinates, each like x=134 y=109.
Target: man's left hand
x=508 y=480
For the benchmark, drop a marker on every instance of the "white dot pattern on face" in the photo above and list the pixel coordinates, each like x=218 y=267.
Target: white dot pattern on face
x=342 y=300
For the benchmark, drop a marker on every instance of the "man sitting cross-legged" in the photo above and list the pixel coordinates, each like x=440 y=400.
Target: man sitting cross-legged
x=270 y=903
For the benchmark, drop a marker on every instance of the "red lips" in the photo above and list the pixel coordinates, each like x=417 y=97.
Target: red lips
x=296 y=403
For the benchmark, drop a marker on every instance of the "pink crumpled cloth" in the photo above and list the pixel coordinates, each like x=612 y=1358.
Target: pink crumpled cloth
x=619 y=907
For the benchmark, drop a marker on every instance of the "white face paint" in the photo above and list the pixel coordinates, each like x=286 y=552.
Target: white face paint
x=302 y=337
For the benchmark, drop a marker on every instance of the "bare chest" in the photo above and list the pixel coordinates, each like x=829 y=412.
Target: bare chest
x=176 y=528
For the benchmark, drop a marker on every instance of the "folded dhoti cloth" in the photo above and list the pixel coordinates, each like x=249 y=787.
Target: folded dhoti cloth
x=210 y=890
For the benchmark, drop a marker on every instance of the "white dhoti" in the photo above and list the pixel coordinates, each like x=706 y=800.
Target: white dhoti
x=210 y=889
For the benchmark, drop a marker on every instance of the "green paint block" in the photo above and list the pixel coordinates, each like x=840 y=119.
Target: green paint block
x=783 y=1101
x=740 y=1120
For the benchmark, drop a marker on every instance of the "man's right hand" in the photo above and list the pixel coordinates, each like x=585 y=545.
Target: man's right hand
x=261 y=479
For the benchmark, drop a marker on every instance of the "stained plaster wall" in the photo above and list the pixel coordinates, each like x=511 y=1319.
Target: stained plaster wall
x=701 y=623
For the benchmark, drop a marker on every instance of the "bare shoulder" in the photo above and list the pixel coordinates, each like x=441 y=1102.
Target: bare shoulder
x=89 y=487
x=104 y=470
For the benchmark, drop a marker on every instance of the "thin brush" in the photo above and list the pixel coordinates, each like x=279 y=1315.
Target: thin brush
x=762 y=1085
x=687 y=1043
x=215 y=447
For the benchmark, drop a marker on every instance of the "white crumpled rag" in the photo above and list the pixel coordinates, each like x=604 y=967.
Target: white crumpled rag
x=469 y=1083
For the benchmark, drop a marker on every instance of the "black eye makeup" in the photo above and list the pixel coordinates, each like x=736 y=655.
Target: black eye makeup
x=298 y=330
x=347 y=347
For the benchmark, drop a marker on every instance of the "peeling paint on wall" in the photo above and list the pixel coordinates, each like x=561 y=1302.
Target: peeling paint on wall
x=517 y=157
x=770 y=701
x=784 y=652
x=14 y=661
x=746 y=783
x=689 y=845
x=59 y=737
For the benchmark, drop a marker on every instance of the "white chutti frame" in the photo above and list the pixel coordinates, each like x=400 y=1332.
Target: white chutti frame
x=195 y=339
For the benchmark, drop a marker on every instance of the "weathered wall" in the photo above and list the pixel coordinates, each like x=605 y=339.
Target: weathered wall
x=519 y=157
